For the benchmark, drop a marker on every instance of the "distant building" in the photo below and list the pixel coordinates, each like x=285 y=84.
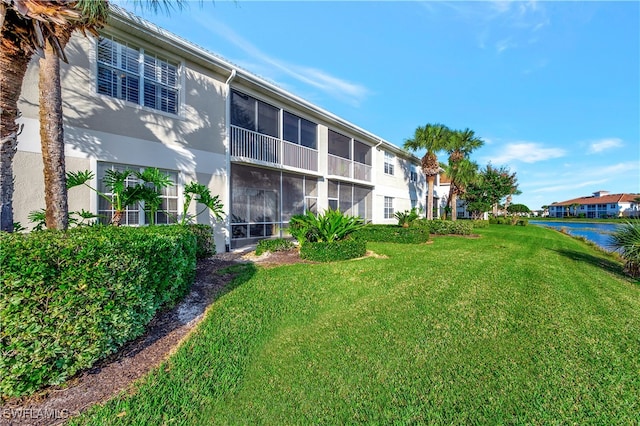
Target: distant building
x=599 y=205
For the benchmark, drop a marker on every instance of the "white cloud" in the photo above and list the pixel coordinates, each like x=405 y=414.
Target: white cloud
x=604 y=144
x=352 y=93
x=569 y=186
x=527 y=152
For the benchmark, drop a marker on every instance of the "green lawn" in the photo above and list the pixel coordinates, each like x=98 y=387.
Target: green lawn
x=522 y=325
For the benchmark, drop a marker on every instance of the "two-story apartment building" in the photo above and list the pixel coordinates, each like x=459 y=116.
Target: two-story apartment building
x=139 y=97
x=599 y=205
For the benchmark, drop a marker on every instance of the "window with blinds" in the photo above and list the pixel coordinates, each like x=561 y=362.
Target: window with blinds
x=129 y=73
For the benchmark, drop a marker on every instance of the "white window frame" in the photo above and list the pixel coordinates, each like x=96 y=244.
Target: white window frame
x=388 y=208
x=389 y=163
x=142 y=52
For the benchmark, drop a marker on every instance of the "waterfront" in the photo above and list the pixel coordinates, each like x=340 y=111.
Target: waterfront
x=596 y=232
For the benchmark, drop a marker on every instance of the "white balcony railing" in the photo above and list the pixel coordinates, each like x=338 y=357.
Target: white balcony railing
x=339 y=166
x=361 y=171
x=299 y=156
x=249 y=144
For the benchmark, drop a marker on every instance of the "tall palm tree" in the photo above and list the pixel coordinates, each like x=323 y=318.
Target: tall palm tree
x=462 y=173
x=26 y=28
x=431 y=137
x=459 y=145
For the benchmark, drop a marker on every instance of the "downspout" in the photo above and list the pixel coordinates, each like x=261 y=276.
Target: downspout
x=227 y=238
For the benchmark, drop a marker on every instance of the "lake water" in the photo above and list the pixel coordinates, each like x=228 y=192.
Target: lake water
x=597 y=232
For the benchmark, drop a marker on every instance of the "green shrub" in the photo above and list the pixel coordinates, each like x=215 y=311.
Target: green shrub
x=477 y=224
x=447 y=227
x=70 y=298
x=407 y=217
x=332 y=251
x=626 y=241
x=522 y=222
x=273 y=245
x=392 y=234
x=205 y=243
x=330 y=226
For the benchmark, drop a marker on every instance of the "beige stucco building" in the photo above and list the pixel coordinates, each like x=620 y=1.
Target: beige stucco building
x=140 y=97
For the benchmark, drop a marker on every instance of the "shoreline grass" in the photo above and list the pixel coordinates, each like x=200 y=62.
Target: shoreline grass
x=522 y=325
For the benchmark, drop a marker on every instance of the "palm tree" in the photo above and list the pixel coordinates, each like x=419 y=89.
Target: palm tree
x=51 y=117
x=431 y=137
x=26 y=27
x=459 y=145
x=461 y=173
x=43 y=27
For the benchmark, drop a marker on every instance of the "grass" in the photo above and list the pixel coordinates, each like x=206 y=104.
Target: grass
x=522 y=325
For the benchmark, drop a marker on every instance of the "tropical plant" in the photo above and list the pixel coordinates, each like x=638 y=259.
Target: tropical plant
x=462 y=173
x=155 y=181
x=460 y=170
x=518 y=208
x=330 y=226
x=201 y=194
x=406 y=218
x=626 y=241
x=39 y=219
x=122 y=195
x=431 y=137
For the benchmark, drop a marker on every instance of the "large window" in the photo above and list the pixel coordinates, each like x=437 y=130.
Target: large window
x=350 y=199
x=388 y=208
x=339 y=145
x=299 y=131
x=389 y=162
x=135 y=214
x=263 y=201
x=128 y=72
x=252 y=114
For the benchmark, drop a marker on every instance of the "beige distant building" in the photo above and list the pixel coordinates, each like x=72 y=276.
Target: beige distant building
x=140 y=97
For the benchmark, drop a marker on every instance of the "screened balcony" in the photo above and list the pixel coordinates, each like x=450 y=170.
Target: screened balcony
x=247 y=144
x=338 y=166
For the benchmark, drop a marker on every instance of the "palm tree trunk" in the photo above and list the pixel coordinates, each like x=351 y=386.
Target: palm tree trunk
x=430 y=181
x=52 y=140
x=454 y=205
x=13 y=66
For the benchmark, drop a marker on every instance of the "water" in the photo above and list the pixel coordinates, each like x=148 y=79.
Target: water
x=596 y=232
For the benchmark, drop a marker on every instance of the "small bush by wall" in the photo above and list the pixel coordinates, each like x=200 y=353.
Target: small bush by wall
x=447 y=227
x=393 y=234
x=69 y=299
x=272 y=245
x=206 y=245
x=334 y=250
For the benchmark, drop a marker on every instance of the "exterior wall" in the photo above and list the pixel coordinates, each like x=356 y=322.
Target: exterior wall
x=194 y=143
x=99 y=128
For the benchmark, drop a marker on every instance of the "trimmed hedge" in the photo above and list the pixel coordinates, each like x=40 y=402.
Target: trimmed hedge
x=446 y=227
x=69 y=299
x=275 y=244
x=477 y=224
x=393 y=234
x=334 y=250
x=206 y=245
x=509 y=220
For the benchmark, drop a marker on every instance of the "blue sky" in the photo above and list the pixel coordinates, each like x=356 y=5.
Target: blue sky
x=553 y=88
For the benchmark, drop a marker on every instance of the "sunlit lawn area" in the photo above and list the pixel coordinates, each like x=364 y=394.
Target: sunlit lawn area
x=522 y=325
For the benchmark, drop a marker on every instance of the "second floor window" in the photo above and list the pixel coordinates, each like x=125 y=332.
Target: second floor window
x=413 y=177
x=389 y=161
x=299 y=131
x=129 y=73
x=252 y=114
